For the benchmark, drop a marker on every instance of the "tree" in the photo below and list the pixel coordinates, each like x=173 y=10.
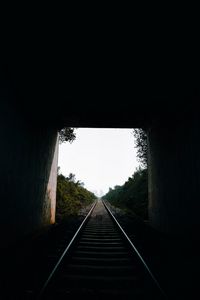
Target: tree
x=67 y=134
x=141 y=145
x=71 y=177
x=132 y=196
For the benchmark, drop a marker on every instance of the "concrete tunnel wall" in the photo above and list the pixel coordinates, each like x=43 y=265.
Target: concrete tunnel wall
x=26 y=155
x=50 y=197
x=174 y=176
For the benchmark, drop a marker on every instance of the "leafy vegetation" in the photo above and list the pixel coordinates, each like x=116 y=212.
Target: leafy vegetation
x=71 y=197
x=67 y=134
x=132 y=196
x=141 y=145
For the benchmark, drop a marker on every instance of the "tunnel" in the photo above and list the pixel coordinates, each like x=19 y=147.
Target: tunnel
x=38 y=99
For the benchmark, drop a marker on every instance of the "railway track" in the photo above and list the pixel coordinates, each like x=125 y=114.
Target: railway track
x=101 y=263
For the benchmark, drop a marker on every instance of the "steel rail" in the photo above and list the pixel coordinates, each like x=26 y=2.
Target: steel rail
x=136 y=251
x=64 y=253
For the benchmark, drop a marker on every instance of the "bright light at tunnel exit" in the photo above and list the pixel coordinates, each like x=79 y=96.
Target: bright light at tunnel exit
x=100 y=158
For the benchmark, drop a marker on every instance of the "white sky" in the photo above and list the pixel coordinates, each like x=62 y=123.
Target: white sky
x=101 y=158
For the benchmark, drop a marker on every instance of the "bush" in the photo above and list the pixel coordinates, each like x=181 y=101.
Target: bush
x=133 y=195
x=71 y=197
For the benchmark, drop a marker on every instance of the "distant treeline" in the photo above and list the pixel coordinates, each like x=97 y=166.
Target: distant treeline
x=71 y=197
x=133 y=195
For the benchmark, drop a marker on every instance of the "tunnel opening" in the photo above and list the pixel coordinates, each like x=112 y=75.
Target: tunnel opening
x=114 y=164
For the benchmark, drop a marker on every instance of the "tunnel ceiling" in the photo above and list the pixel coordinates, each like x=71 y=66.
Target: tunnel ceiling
x=60 y=94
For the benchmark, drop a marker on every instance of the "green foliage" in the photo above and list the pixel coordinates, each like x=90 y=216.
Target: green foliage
x=71 y=196
x=141 y=145
x=133 y=195
x=67 y=134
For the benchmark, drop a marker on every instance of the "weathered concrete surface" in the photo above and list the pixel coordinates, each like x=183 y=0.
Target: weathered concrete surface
x=51 y=188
